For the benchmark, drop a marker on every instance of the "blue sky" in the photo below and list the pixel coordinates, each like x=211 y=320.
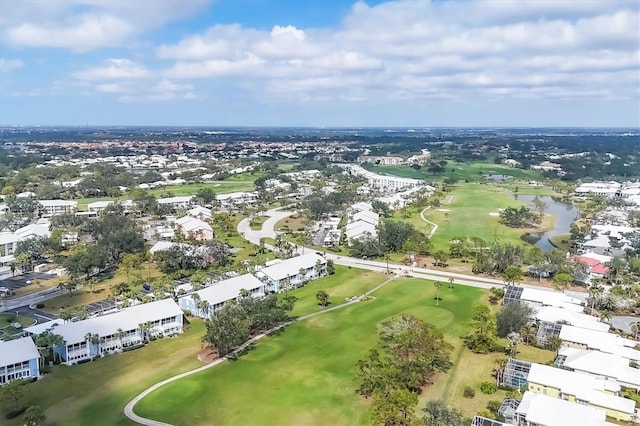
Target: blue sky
x=320 y=63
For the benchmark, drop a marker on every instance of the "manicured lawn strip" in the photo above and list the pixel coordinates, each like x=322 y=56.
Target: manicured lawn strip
x=95 y=393
x=256 y=222
x=305 y=374
x=346 y=282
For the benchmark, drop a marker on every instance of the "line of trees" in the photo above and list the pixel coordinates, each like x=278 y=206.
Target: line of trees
x=237 y=321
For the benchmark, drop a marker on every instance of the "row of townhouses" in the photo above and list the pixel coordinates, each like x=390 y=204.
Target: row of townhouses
x=129 y=327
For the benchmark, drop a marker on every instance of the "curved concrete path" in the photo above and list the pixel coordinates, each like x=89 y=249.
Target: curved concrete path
x=128 y=409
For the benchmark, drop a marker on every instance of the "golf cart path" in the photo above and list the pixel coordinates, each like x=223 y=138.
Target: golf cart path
x=128 y=409
x=433 y=224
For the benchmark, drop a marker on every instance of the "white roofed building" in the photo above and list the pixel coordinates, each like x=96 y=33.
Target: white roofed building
x=581 y=389
x=183 y=202
x=51 y=208
x=583 y=338
x=540 y=410
x=111 y=333
x=192 y=227
x=217 y=294
x=19 y=360
x=293 y=272
x=610 y=367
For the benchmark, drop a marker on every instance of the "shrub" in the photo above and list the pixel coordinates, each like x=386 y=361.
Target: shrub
x=469 y=392
x=488 y=388
x=14 y=413
x=39 y=305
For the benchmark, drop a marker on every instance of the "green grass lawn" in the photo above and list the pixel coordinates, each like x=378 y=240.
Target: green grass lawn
x=467 y=171
x=192 y=188
x=84 y=295
x=305 y=374
x=7 y=318
x=469 y=214
x=346 y=282
x=95 y=393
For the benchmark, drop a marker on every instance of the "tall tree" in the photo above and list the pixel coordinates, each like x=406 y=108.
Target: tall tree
x=561 y=281
x=482 y=336
x=395 y=408
x=438 y=285
x=436 y=413
x=512 y=275
x=512 y=317
x=323 y=298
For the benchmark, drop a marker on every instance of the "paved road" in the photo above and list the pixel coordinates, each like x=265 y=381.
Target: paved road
x=276 y=215
x=128 y=409
x=29 y=299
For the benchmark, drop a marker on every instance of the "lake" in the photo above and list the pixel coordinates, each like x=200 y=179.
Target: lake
x=565 y=214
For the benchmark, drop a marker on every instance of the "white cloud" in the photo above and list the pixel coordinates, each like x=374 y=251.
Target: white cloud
x=429 y=50
x=84 y=25
x=8 y=65
x=113 y=69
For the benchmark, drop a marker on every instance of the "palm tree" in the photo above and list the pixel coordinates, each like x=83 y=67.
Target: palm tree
x=528 y=333
x=438 y=285
x=554 y=343
x=498 y=369
x=595 y=290
x=203 y=306
x=120 y=336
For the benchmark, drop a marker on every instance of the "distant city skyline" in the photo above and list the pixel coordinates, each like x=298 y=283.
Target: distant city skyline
x=330 y=63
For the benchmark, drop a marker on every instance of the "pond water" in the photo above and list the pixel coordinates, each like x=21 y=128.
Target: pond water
x=565 y=214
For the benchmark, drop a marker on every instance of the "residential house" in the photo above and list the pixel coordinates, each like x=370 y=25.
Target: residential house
x=611 y=367
x=581 y=389
x=200 y=212
x=293 y=272
x=111 y=333
x=19 y=359
x=191 y=227
x=50 y=208
x=8 y=245
x=536 y=298
x=233 y=200
x=583 y=338
x=216 y=295
x=177 y=202
x=540 y=410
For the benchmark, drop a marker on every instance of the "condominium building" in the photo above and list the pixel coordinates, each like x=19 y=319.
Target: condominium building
x=111 y=333
x=51 y=208
x=19 y=359
x=221 y=292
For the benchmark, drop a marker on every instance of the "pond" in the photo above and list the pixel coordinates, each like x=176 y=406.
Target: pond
x=565 y=214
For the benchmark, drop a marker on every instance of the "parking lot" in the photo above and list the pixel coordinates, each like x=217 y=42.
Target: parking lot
x=26 y=279
x=101 y=306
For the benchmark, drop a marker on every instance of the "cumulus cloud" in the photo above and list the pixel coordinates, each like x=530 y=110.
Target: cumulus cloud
x=8 y=65
x=433 y=50
x=84 y=25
